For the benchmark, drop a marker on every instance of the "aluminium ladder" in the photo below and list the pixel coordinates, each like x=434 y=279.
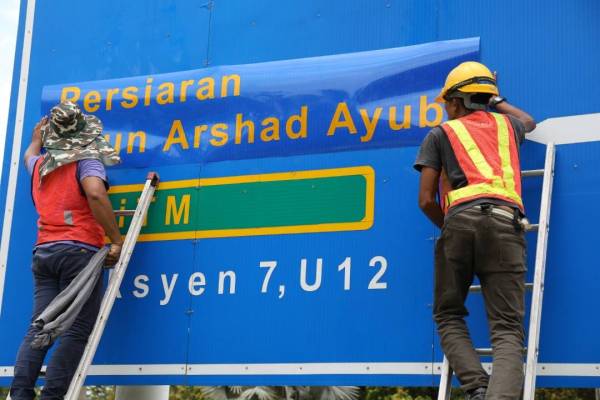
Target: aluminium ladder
x=537 y=286
x=139 y=214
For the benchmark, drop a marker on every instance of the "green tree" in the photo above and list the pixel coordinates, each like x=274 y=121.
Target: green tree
x=186 y=393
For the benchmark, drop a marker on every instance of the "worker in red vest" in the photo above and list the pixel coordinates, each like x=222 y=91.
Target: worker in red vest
x=472 y=161
x=68 y=188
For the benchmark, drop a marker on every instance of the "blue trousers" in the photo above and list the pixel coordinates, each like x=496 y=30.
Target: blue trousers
x=53 y=269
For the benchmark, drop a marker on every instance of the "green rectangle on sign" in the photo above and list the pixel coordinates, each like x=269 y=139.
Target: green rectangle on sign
x=307 y=201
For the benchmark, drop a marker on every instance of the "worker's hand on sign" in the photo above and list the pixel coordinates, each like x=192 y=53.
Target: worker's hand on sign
x=37 y=135
x=113 y=254
x=495 y=73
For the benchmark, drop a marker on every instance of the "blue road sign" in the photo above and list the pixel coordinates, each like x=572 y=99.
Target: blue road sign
x=285 y=245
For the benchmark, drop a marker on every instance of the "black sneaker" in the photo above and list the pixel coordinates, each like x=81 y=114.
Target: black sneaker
x=476 y=394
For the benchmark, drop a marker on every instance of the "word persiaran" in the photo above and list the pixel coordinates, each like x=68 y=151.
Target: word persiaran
x=164 y=93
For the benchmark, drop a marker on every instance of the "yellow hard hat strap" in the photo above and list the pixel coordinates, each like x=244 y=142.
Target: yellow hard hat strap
x=469 y=102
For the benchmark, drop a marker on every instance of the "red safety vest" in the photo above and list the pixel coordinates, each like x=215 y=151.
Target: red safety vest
x=63 y=208
x=486 y=150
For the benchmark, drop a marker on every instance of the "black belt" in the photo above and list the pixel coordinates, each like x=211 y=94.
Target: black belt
x=514 y=216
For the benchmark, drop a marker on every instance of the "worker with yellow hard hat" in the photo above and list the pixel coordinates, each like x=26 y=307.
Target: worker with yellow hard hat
x=472 y=162
x=469 y=77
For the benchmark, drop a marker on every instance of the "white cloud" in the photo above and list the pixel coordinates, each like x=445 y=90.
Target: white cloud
x=9 y=19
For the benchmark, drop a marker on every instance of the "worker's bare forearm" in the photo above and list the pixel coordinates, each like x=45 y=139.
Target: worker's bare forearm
x=434 y=212
x=103 y=212
x=428 y=188
x=33 y=150
x=35 y=147
x=509 y=109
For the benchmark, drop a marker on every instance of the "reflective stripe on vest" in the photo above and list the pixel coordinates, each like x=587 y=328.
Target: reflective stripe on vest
x=494 y=186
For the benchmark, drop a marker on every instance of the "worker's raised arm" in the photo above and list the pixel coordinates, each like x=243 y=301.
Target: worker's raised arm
x=428 y=189
x=35 y=146
x=509 y=109
x=97 y=198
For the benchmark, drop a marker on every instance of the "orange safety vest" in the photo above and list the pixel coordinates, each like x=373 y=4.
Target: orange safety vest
x=63 y=208
x=486 y=150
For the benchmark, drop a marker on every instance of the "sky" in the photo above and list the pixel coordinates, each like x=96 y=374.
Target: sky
x=9 y=19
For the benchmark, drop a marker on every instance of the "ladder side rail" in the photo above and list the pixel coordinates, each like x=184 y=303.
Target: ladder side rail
x=445 y=388
x=539 y=274
x=112 y=290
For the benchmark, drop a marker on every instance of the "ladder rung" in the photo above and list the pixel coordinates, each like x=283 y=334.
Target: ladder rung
x=477 y=288
x=531 y=227
x=533 y=172
x=488 y=351
x=124 y=212
x=484 y=351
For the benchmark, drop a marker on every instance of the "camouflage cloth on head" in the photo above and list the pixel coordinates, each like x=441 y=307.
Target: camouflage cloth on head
x=70 y=136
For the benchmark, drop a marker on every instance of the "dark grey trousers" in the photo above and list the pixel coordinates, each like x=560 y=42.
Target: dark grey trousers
x=488 y=246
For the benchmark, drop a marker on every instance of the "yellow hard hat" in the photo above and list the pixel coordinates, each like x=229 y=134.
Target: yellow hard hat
x=469 y=77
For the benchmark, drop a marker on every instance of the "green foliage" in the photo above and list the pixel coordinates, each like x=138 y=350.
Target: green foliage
x=398 y=393
x=564 y=394
x=379 y=392
x=185 y=393
x=392 y=393
x=100 y=392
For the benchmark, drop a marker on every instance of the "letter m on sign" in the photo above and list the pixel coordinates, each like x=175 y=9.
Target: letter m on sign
x=178 y=211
